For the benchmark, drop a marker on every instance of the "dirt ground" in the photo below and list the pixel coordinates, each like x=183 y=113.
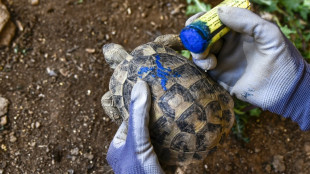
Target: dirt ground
x=54 y=75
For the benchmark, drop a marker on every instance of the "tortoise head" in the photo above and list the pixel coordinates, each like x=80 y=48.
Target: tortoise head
x=114 y=54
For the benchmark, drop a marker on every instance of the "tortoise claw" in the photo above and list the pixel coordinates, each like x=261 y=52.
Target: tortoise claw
x=110 y=108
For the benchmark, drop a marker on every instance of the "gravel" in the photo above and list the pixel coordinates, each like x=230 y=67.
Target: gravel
x=278 y=163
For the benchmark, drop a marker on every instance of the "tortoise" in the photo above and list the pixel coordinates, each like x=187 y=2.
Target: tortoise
x=190 y=113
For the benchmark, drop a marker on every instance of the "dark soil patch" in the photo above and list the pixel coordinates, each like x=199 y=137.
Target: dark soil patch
x=54 y=82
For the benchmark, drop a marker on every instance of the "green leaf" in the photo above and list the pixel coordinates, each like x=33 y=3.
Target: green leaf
x=287 y=31
x=255 y=112
x=270 y=5
x=239 y=129
x=307 y=37
x=192 y=9
x=239 y=112
x=263 y=2
x=304 y=12
x=291 y=5
x=197 y=7
x=202 y=6
x=189 y=1
x=306 y=3
x=186 y=53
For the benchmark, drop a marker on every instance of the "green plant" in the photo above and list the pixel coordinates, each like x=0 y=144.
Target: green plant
x=292 y=17
x=195 y=6
x=243 y=112
x=186 y=54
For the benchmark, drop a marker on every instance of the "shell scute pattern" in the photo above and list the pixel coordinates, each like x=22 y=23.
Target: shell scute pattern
x=190 y=117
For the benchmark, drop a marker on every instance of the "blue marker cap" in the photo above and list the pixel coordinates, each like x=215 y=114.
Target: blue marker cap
x=195 y=37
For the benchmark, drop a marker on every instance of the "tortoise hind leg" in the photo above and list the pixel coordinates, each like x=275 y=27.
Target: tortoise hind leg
x=196 y=168
x=110 y=108
x=170 y=40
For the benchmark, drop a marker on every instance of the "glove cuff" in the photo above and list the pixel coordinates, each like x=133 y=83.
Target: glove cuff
x=152 y=169
x=295 y=104
x=136 y=169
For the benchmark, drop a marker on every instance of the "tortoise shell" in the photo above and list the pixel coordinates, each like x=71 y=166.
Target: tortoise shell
x=190 y=113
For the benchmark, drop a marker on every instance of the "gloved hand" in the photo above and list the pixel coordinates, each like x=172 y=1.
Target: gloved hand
x=259 y=65
x=131 y=150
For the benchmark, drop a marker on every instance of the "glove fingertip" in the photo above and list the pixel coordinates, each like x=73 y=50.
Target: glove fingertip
x=206 y=64
x=140 y=91
x=201 y=55
x=194 y=17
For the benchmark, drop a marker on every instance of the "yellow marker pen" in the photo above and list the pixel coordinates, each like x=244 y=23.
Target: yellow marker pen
x=208 y=28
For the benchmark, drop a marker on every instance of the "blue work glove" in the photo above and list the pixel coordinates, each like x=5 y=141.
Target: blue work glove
x=259 y=65
x=131 y=150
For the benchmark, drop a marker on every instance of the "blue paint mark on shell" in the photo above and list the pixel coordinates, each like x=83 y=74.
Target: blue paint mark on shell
x=160 y=72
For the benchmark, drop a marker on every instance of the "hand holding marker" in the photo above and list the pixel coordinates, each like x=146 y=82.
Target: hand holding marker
x=256 y=63
x=207 y=29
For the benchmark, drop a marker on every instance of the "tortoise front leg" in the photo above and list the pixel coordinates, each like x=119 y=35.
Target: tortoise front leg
x=170 y=40
x=110 y=108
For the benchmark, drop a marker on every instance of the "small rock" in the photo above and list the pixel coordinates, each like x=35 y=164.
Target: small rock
x=177 y=9
x=19 y=25
x=228 y=168
x=38 y=124
x=32 y=144
x=268 y=168
x=107 y=37
x=206 y=167
x=13 y=139
x=64 y=72
x=3 y=120
x=104 y=18
x=3 y=147
x=7 y=34
x=75 y=151
x=143 y=15
x=257 y=150
x=90 y=50
x=3 y=106
x=307 y=147
x=32 y=125
x=4 y=16
x=89 y=156
x=129 y=11
x=88 y=92
x=7 y=27
x=106 y=119
x=278 y=163
x=71 y=171
x=34 y=2
x=51 y=72
x=299 y=165
x=114 y=5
